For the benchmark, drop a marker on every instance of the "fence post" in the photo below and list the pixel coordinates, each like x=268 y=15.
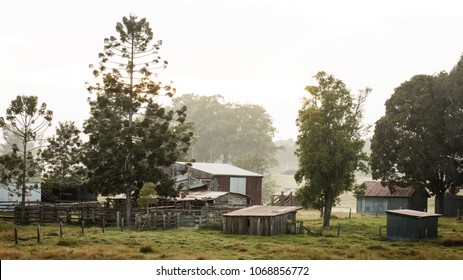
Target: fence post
x=350 y=213
x=93 y=215
x=60 y=229
x=164 y=216
x=103 y=225
x=38 y=233
x=41 y=214
x=178 y=219
x=380 y=238
x=15 y=236
x=118 y=217
x=200 y=221
x=122 y=224
x=83 y=225
x=339 y=229
x=137 y=225
x=458 y=214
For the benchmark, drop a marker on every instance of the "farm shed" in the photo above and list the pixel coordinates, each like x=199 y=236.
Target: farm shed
x=212 y=198
x=411 y=225
x=261 y=220
x=225 y=178
x=378 y=199
x=453 y=205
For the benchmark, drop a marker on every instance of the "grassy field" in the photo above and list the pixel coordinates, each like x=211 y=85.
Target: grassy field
x=358 y=240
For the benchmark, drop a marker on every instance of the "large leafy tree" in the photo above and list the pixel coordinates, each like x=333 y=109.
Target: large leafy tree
x=329 y=144
x=61 y=160
x=228 y=132
x=131 y=137
x=27 y=122
x=418 y=140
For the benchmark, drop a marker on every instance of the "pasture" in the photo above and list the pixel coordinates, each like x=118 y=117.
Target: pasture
x=359 y=239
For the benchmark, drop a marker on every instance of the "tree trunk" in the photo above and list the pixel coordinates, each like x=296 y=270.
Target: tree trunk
x=129 y=206
x=327 y=213
x=439 y=203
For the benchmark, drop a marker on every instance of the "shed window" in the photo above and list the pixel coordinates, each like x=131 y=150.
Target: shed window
x=238 y=185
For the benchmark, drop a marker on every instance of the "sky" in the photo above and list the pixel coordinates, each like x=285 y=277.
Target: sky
x=250 y=51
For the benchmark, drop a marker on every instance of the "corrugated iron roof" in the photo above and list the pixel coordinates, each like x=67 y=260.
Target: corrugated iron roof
x=412 y=213
x=374 y=188
x=206 y=195
x=259 y=210
x=223 y=169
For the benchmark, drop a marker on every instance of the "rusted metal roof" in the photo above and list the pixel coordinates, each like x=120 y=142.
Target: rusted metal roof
x=259 y=210
x=374 y=188
x=412 y=213
x=205 y=195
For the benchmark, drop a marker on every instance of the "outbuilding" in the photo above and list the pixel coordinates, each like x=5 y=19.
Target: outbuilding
x=223 y=178
x=453 y=205
x=378 y=198
x=261 y=220
x=411 y=225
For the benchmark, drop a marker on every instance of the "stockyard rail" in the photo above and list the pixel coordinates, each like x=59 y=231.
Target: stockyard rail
x=94 y=213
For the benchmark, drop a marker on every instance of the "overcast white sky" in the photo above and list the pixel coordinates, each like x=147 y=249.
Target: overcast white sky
x=258 y=52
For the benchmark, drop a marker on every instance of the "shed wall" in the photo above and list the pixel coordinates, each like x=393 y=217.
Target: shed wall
x=453 y=205
x=401 y=227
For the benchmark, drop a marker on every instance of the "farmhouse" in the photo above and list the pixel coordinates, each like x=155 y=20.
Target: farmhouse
x=224 y=178
x=10 y=192
x=378 y=199
x=411 y=225
x=261 y=220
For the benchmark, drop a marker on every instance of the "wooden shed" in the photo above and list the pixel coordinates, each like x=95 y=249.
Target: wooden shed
x=378 y=199
x=261 y=220
x=411 y=225
x=213 y=199
x=453 y=205
x=226 y=178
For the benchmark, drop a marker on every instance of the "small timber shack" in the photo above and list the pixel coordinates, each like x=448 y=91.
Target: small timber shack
x=261 y=220
x=411 y=225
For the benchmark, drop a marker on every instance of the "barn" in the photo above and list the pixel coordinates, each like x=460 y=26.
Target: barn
x=224 y=178
x=378 y=199
x=261 y=220
x=411 y=225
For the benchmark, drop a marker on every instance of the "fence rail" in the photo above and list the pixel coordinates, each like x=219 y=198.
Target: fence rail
x=96 y=214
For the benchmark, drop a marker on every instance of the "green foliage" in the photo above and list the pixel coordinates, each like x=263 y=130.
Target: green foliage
x=62 y=160
x=229 y=132
x=131 y=137
x=329 y=144
x=27 y=122
x=418 y=141
x=147 y=194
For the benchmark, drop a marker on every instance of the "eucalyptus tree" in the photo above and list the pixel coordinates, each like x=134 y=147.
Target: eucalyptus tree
x=329 y=144
x=61 y=160
x=418 y=142
x=131 y=137
x=27 y=122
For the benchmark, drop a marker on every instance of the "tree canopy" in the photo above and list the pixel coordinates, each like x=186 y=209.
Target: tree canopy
x=418 y=141
x=132 y=138
x=27 y=122
x=228 y=132
x=329 y=144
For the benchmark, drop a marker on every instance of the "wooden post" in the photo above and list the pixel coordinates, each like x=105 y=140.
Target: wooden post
x=41 y=214
x=38 y=233
x=339 y=229
x=350 y=213
x=164 y=216
x=200 y=222
x=103 y=225
x=301 y=227
x=458 y=214
x=60 y=229
x=83 y=226
x=93 y=215
x=118 y=218
x=380 y=238
x=15 y=236
x=136 y=221
x=178 y=219
x=122 y=224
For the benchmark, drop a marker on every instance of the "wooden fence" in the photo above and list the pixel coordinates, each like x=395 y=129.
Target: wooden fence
x=93 y=213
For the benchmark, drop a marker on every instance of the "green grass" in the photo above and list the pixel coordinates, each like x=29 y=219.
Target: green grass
x=358 y=240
